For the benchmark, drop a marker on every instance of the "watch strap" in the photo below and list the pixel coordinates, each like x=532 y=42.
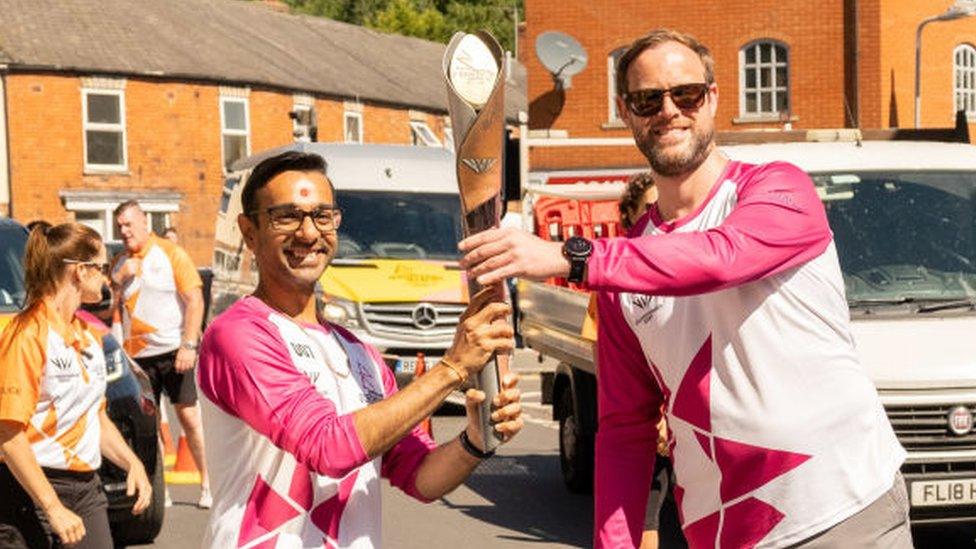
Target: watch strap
x=470 y=448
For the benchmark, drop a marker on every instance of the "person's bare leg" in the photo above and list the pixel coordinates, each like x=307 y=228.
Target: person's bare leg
x=189 y=416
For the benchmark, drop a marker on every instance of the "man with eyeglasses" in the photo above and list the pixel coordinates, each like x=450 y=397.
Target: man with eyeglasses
x=303 y=417
x=161 y=300
x=726 y=303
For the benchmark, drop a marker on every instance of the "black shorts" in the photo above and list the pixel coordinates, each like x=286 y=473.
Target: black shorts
x=22 y=525
x=180 y=388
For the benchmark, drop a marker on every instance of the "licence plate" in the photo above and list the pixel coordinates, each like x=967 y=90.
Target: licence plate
x=407 y=365
x=943 y=492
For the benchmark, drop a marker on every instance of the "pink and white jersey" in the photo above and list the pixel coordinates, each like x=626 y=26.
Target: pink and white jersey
x=735 y=317
x=288 y=468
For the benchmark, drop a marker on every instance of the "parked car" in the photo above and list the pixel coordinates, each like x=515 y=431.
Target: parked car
x=130 y=400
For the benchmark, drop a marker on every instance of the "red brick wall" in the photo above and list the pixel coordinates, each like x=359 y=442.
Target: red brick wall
x=900 y=18
x=173 y=144
x=814 y=32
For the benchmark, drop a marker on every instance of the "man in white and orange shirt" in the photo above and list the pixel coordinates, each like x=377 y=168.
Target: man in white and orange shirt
x=162 y=310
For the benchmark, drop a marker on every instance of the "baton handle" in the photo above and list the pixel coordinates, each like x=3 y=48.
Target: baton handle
x=489 y=381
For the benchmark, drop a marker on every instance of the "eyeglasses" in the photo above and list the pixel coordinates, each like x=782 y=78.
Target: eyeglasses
x=288 y=217
x=649 y=102
x=104 y=268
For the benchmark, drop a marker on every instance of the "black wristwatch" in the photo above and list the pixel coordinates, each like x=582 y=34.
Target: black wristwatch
x=577 y=250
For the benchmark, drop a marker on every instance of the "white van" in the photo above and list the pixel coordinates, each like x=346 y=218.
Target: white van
x=904 y=220
x=903 y=214
x=395 y=281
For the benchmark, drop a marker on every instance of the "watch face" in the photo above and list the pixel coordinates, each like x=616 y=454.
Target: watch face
x=578 y=246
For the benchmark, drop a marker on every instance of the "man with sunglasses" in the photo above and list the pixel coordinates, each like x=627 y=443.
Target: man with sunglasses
x=161 y=300
x=303 y=417
x=726 y=304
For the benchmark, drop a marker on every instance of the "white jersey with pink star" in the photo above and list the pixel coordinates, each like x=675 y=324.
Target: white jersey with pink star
x=735 y=317
x=288 y=469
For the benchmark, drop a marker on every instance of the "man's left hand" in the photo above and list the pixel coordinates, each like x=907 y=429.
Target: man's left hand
x=507 y=414
x=185 y=358
x=496 y=254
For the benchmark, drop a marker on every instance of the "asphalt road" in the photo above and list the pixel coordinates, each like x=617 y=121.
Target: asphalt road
x=515 y=499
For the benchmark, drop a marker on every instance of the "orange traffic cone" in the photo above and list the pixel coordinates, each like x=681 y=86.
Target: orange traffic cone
x=185 y=469
x=418 y=371
x=169 y=451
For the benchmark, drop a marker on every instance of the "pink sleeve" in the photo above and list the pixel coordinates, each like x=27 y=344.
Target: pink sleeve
x=629 y=407
x=401 y=463
x=778 y=223
x=253 y=378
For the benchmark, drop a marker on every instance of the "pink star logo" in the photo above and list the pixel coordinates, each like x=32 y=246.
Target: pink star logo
x=267 y=510
x=744 y=467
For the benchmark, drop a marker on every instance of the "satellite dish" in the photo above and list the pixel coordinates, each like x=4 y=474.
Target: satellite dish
x=561 y=55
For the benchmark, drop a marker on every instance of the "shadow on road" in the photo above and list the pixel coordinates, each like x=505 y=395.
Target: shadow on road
x=528 y=496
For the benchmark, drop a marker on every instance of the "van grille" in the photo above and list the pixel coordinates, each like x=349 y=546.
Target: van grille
x=926 y=428
x=397 y=319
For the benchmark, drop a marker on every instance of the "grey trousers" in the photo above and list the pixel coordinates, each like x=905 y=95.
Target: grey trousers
x=883 y=525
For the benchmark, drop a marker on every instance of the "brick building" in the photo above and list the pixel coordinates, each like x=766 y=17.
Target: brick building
x=102 y=102
x=780 y=64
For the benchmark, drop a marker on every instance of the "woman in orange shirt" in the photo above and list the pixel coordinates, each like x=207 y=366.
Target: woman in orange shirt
x=53 y=426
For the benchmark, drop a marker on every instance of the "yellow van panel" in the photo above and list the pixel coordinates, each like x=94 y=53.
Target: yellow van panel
x=5 y=319
x=394 y=280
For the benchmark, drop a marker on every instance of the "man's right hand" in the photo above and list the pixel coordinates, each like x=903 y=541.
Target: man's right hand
x=65 y=524
x=128 y=270
x=482 y=332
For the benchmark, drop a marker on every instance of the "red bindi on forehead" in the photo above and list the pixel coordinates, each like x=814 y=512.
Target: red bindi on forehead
x=304 y=192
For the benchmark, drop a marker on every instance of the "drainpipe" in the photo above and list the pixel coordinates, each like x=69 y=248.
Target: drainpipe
x=5 y=191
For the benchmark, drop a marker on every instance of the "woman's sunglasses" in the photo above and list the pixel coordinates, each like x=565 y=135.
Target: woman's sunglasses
x=649 y=102
x=105 y=268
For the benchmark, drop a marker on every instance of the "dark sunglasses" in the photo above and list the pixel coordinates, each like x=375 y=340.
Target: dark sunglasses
x=104 y=268
x=649 y=102
x=288 y=217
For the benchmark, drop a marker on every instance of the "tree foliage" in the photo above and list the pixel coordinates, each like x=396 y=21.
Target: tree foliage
x=433 y=20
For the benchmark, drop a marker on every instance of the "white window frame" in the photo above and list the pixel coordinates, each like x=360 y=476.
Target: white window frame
x=104 y=127
x=299 y=131
x=225 y=131
x=964 y=80
x=613 y=117
x=346 y=117
x=759 y=89
x=106 y=208
x=422 y=136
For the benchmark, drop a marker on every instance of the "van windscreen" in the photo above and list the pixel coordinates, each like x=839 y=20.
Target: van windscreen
x=399 y=225
x=903 y=237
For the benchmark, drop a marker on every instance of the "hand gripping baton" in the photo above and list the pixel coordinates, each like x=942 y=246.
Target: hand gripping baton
x=476 y=99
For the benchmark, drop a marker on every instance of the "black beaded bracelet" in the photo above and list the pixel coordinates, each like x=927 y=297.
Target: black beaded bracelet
x=471 y=448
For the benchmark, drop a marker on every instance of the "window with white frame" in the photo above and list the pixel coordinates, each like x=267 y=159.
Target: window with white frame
x=352 y=124
x=301 y=116
x=612 y=59
x=764 y=79
x=964 y=79
x=422 y=136
x=104 y=129
x=234 y=129
x=95 y=209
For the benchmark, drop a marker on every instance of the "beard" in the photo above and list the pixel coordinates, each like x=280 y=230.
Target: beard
x=671 y=163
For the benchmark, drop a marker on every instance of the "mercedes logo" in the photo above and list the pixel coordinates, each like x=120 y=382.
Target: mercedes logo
x=960 y=420
x=424 y=316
